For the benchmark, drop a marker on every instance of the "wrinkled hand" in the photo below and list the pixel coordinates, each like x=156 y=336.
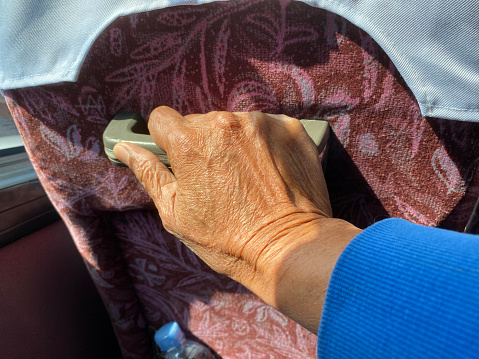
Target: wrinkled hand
x=246 y=192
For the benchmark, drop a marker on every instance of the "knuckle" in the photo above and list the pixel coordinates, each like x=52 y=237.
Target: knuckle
x=156 y=113
x=226 y=121
x=158 y=110
x=146 y=171
x=293 y=124
x=253 y=127
x=294 y=129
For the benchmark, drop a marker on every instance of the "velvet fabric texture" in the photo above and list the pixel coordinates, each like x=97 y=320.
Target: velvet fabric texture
x=385 y=159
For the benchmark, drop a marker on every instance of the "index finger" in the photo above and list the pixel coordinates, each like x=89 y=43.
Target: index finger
x=164 y=124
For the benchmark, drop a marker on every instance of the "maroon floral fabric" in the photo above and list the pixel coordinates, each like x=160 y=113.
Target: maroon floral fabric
x=385 y=159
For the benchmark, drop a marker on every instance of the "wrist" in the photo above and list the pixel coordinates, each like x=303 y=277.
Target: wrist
x=295 y=273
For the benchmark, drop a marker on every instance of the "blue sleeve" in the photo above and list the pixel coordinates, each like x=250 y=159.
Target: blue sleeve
x=401 y=290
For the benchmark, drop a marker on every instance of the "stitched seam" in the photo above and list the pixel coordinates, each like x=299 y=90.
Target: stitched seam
x=38 y=75
x=453 y=108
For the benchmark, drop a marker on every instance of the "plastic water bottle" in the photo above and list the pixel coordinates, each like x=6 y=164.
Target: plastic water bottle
x=173 y=345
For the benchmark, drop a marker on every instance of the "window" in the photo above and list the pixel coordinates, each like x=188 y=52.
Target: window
x=24 y=206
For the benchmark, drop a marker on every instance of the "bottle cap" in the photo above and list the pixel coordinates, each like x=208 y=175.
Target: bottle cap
x=169 y=336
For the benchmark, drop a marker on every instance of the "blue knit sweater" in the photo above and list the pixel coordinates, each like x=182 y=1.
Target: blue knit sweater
x=401 y=290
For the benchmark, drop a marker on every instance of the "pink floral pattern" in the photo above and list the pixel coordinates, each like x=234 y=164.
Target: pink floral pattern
x=278 y=57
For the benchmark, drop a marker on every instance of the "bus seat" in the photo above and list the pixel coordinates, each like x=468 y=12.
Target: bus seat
x=385 y=159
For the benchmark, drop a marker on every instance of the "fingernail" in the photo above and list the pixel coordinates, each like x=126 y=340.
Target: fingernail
x=121 y=153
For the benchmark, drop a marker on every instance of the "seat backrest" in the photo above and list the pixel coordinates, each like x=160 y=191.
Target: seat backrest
x=385 y=159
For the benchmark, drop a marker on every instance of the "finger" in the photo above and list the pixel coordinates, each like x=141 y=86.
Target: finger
x=298 y=161
x=293 y=127
x=149 y=170
x=194 y=118
x=166 y=125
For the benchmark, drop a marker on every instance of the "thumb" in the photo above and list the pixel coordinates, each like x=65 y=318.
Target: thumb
x=154 y=176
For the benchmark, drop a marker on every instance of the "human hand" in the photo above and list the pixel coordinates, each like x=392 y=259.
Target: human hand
x=246 y=193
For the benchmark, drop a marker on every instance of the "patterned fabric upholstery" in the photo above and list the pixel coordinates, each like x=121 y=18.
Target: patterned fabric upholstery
x=278 y=57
